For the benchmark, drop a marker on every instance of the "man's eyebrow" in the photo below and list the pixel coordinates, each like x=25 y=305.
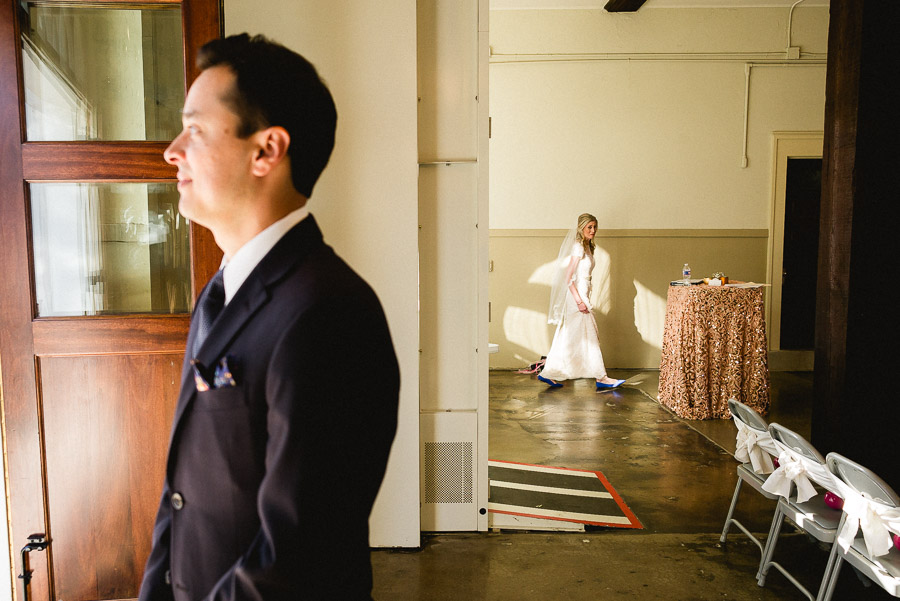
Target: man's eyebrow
x=189 y=113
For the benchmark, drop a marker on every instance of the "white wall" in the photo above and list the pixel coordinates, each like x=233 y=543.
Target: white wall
x=453 y=247
x=632 y=127
x=639 y=119
x=366 y=201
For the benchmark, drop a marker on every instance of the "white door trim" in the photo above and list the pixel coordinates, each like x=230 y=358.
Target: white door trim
x=785 y=145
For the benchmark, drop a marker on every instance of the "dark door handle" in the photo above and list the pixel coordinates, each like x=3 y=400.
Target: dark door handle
x=36 y=542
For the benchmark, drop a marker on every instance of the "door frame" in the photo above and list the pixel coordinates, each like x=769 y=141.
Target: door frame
x=27 y=336
x=785 y=145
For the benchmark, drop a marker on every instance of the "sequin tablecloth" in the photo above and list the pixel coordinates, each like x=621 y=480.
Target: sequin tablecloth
x=714 y=349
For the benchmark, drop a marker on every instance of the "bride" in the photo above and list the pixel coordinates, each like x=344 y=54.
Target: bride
x=575 y=352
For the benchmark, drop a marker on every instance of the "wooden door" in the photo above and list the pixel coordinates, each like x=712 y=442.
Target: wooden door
x=98 y=279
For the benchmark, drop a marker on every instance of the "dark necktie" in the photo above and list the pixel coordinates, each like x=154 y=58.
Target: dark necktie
x=208 y=308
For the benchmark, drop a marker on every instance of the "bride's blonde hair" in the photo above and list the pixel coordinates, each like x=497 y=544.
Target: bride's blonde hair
x=583 y=220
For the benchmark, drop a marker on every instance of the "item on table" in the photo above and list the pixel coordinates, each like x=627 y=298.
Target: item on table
x=717 y=279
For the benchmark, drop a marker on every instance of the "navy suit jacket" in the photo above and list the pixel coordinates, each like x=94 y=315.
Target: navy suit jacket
x=269 y=483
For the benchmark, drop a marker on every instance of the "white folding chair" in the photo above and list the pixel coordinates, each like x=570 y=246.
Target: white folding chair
x=872 y=506
x=801 y=467
x=754 y=450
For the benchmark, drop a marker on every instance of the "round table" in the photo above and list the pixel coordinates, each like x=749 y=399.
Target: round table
x=714 y=349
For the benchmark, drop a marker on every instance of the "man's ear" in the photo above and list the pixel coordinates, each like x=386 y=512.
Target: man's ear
x=272 y=148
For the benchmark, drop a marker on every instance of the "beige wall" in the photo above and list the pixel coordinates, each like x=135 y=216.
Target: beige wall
x=639 y=119
x=630 y=281
x=366 y=201
x=643 y=123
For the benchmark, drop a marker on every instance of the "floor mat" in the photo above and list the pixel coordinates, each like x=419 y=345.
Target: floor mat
x=557 y=493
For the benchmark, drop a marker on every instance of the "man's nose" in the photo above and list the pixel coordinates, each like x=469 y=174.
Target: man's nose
x=173 y=153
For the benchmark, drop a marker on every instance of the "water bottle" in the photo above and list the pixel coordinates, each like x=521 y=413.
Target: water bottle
x=686 y=273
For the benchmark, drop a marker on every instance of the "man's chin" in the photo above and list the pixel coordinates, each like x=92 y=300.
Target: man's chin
x=187 y=210
x=198 y=218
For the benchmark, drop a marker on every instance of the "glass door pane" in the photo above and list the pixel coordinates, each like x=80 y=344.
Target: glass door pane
x=110 y=73
x=102 y=249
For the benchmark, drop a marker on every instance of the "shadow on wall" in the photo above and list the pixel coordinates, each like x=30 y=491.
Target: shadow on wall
x=526 y=328
x=631 y=281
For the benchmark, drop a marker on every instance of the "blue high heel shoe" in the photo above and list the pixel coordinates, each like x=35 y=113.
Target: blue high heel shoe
x=616 y=384
x=549 y=382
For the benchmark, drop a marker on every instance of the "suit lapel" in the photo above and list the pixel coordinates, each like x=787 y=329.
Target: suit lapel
x=294 y=247
x=251 y=297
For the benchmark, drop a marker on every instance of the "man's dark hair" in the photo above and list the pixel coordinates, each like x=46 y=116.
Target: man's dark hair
x=277 y=86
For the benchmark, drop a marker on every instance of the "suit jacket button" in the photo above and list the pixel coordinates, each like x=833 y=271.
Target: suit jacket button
x=177 y=501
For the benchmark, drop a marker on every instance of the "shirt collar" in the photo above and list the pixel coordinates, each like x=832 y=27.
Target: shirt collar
x=245 y=260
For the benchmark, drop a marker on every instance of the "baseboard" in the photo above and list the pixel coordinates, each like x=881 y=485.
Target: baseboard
x=791 y=360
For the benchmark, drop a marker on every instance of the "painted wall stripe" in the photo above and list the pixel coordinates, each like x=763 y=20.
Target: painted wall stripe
x=552 y=489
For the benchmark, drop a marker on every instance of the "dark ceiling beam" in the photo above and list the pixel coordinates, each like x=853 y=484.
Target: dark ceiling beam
x=623 y=6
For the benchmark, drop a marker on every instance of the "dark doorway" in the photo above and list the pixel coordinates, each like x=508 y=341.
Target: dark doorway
x=801 y=246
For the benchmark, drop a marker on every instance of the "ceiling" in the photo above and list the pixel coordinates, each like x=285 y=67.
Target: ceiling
x=568 y=4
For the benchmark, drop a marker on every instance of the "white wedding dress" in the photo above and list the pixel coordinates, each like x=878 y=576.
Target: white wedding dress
x=575 y=351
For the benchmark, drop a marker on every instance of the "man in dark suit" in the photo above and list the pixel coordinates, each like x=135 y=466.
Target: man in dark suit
x=288 y=403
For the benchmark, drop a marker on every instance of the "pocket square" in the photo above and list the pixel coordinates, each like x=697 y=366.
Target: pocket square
x=199 y=379
x=223 y=377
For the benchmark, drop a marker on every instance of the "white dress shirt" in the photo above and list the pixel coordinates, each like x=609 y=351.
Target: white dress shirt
x=245 y=260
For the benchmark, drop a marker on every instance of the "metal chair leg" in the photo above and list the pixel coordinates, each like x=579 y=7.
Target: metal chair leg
x=774 y=531
x=734 y=500
x=831 y=571
x=832 y=579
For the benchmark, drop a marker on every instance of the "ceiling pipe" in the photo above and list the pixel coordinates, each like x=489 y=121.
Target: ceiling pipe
x=792 y=52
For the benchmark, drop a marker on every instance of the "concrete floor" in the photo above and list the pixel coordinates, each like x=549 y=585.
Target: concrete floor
x=676 y=475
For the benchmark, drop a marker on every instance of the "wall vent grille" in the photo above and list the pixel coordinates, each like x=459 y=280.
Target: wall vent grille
x=449 y=472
